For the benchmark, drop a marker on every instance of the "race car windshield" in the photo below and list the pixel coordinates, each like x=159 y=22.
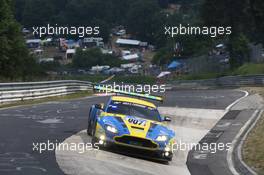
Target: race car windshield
x=133 y=109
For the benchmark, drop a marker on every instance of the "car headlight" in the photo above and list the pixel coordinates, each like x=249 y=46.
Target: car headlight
x=167 y=149
x=111 y=129
x=162 y=138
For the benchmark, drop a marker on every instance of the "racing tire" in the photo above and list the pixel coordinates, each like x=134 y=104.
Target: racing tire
x=89 y=128
x=94 y=139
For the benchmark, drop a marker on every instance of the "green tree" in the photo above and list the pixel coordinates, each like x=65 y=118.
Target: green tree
x=256 y=9
x=38 y=12
x=141 y=18
x=241 y=50
x=163 y=56
x=14 y=58
x=19 y=9
x=229 y=13
x=92 y=57
x=104 y=28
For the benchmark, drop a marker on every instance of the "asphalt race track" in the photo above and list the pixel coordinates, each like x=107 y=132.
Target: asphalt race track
x=194 y=113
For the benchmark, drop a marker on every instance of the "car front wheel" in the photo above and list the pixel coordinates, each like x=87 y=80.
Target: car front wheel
x=94 y=139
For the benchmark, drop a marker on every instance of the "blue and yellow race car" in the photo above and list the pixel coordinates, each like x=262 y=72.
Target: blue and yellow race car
x=131 y=123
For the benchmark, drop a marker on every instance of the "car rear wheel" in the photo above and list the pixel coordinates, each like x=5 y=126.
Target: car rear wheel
x=89 y=127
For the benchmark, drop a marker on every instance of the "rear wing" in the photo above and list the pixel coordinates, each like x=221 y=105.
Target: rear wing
x=103 y=89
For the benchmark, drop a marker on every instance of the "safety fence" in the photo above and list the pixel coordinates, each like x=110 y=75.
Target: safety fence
x=10 y=92
x=228 y=81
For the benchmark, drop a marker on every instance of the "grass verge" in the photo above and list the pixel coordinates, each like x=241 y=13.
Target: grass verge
x=249 y=69
x=91 y=78
x=43 y=100
x=253 y=152
x=202 y=76
x=246 y=69
x=136 y=79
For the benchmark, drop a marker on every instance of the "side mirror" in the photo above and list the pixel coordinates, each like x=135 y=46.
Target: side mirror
x=167 y=119
x=99 y=106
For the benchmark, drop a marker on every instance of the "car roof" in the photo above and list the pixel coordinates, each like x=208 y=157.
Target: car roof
x=133 y=100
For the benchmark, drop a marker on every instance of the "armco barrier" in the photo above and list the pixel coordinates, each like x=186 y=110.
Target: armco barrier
x=10 y=92
x=228 y=81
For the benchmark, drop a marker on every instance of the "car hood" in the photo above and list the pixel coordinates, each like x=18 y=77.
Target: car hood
x=137 y=127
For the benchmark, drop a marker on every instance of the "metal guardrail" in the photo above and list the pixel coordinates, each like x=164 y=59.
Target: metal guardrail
x=10 y=92
x=228 y=81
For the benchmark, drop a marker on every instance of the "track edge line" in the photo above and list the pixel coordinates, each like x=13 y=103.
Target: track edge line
x=239 y=140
